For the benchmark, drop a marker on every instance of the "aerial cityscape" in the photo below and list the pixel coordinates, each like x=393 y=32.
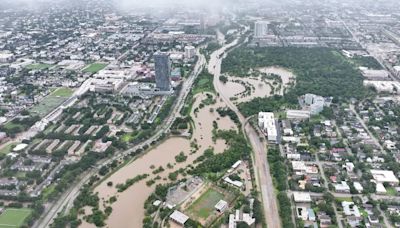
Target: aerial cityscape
x=180 y=113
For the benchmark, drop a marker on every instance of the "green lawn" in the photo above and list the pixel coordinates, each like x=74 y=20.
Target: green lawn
x=38 y=66
x=47 y=105
x=10 y=125
x=341 y=199
x=94 y=67
x=204 y=206
x=203 y=83
x=7 y=149
x=62 y=92
x=48 y=191
x=391 y=191
x=13 y=217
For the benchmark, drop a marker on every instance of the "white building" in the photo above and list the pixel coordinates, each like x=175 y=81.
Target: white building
x=374 y=74
x=221 y=206
x=315 y=103
x=6 y=57
x=384 y=176
x=380 y=189
x=342 y=187
x=179 y=217
x=302 y=197
x=260 y=29
x=358 y=187
x=190 y=52
x=298 y=114
x=383 y=86
x=397 y=70
x=240 y=217
x=352 y=213
x=266 y=121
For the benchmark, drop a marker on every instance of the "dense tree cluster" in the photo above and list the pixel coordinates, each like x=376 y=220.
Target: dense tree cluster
x=237 y=149
x=278 y=169
x=321 y=71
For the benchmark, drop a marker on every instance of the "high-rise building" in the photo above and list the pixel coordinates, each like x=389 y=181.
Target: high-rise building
x=260 y=29
x=163 y=71
x=190 y=52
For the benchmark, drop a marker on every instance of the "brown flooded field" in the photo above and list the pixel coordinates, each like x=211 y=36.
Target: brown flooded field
x=286 y=75
x=257 y=87
x=128 y=210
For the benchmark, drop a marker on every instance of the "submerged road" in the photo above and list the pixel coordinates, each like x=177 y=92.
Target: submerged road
x=260 y=163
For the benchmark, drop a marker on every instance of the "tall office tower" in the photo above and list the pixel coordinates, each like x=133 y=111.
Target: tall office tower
x=190 y=52
x=163 y=71
x=260 y=29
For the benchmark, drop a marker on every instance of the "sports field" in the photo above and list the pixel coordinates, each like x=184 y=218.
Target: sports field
x=38 y=66
x=203 y=207
x=94 y=67
x=51 y=101
x=14 y=217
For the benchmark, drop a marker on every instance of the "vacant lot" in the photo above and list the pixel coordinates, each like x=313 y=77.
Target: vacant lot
x=14 y=217
x=94 y=67
x=203 y=207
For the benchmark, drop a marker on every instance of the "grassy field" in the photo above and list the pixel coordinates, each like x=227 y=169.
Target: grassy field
x=203 y=83
x=38 y=66
x=10 y=125
x=14 y=217
x=48 y=191
x=62 y=92
x=7 y=148
x=51 y=101
x=94 y=67
x=47 y=105
x=203 y=207
x=391 y=191
x=341 y=199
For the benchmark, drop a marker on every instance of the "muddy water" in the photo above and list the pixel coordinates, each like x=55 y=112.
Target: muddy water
x=128 y=210
x=259 y=87
x=233 y=89
x=286 y=75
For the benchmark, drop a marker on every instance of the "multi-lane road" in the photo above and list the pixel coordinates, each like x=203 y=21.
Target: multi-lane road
x=65 y=201
x=260 y=163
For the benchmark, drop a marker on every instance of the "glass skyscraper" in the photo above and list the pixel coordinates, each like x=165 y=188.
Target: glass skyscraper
x=163 y=71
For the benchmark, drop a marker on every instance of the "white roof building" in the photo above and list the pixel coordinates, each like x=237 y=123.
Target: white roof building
x=266 y=121
x=349 y=208
x=380 y=189
x=301 y=197
x=238 y=184
x=298 y=114
x=358 y=187
x=383 y=86
x=179 y=217
x=240 y=217
x=221 y=206
x=384 y=176
x=20 y=147
x=342 y=187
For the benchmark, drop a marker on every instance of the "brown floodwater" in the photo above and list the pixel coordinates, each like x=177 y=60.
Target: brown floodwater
x=128 y=210
x=286 y=75
x=259 y=88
